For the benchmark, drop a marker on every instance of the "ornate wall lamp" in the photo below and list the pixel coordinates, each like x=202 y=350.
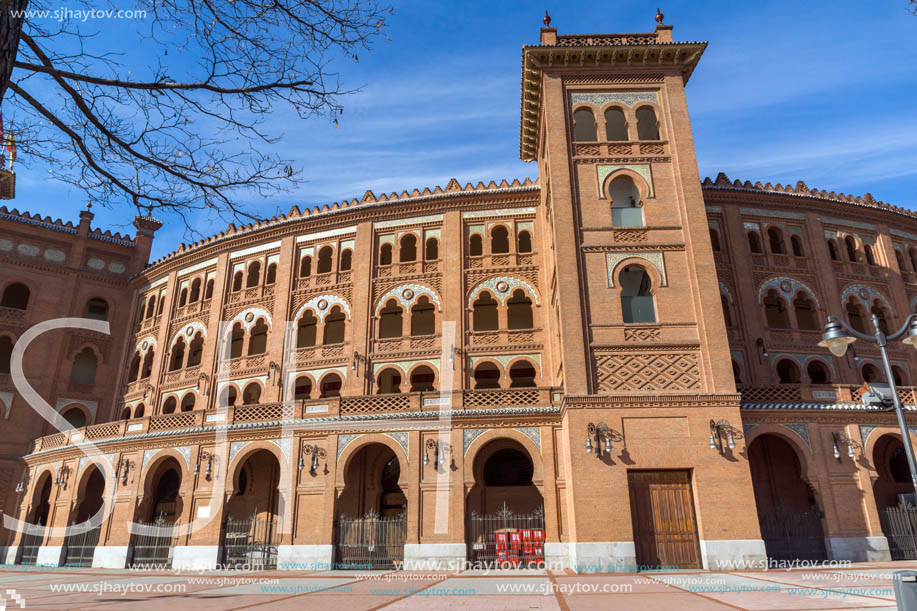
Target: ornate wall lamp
x=203 y=382
x=147 y=390
x=23 y=483
x=840 y=439
x=357 y=360
x=273 y=369
x=63 y=475
x=720 y=431
x=762 y=350
x=603 y=436
x=211 y=459
x=439 y=448
x=316 y=453
x=125 y=465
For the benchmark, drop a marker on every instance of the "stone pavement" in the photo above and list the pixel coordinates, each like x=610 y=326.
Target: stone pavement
x=859 y=586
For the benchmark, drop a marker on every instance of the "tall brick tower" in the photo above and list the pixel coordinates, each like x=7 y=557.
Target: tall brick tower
x=641 y=341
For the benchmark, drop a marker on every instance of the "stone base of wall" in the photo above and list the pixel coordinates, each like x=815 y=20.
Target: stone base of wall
x=110 y=557
x=858 y=549
x=305 y=557
x=601 y=556
x=195 y=557
x=50 y=555
x=733 y=554
x=434 y=556
x=8 y=554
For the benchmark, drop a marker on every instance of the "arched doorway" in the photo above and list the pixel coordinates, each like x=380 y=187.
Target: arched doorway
x=504 y=508
x=37 y=520
x=251 y=533
x=371 y=523
x=893 y=491
x=788 y=513
x=81 y=545
x=152 y=543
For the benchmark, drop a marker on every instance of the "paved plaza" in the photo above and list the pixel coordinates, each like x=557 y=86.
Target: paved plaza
x=858 y=586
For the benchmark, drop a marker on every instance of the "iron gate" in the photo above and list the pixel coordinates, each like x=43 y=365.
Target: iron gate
x=899 y=524
x=793 y=535
x=250 y=543
x=506 y=539
x=153 y=545
x=370 y=542
x=28 y=548
x=81 y=547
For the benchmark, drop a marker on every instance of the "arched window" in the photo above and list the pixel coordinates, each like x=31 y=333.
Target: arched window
x=178 y=355
x=898 y=376
x=525 y=242
x=431 y=252
x=818 y=372
x=519 y=311
x=626 y=208
x=196 y=350
x=486 y=375
x=647 y=125
x=737 y=373
x=805 y=313
x=257 y=342
x=870 y=255
x=423 y=318
x=615 y=125
x=139 y=410
x=187 y=402
x=788 y=372
x=305 y=267
x=195 y=290
x=331 y=386
x=151 y=307
x=637 y=301
x=422 y=379
x=183 y=297
x=388 y=382
x=147 y=370
x=208 y=292
x=484 y=313
x=6 y=353
x=237 y=281
x=228 y=396
x=271 y=276
x=385 y=254
x=881 y=314
x=16 y=296
x=75 y=417
x=169 y=406
x=96 y=309
x=390 y=320
x=851 y=248
x=475 y=245
x=499 y=240
x=900 y=258
x=237 y=340
x=302 y=390
x=871 y=373
x=584 y=126
x=775 y=311
x=84 y=367
x=324 y=260
x=775 y=237
x=346 y=260
x=252 y=394
x=133 y=371
x=306 y=330
x=832 y=251
x=727 y=315
x=254 y=274
x=162 y=303
x=754 y=242
x=334 y=326
x=855 y=315
x=522 y=375
x=408 y=250
x=715 y=239
x=126 y=413
x=796 y=245
x=913 y=254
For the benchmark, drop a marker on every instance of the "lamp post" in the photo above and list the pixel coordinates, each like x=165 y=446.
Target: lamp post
x=837 y=338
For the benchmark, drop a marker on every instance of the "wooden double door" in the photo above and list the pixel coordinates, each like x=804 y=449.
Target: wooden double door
x=662 y=511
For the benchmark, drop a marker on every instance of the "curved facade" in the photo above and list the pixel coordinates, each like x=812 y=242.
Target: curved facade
x=576 y=361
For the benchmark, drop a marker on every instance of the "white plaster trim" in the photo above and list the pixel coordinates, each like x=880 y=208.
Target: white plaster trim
x=199 y=266
x=433 y=218
x=6 y=398
x=732 y=554
x=602 y=556
x=247 y=325
x=254 y=249
x=194 y=326
x=858 y=549
x=312 y=304
x=305 y=557
x=110 y=557
x=151 y=343
x=474 y=214
x=50 y=555
x=152 y=285
x=92 y=406
x=434 y=556
x=195 y=557
x=325 y=234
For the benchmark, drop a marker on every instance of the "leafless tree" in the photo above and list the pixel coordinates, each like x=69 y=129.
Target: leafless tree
x=176 y=108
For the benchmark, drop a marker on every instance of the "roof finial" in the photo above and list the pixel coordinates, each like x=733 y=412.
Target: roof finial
x=659 y=16
x=88 y=205
x=546 y=19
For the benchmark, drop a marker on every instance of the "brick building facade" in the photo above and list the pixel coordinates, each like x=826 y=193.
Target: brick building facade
x=618 y=357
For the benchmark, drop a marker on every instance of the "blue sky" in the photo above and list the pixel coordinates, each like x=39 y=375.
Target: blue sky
x=822 y=92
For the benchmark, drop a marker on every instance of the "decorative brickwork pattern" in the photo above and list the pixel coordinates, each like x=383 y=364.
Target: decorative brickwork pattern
x=642 y=334
x=647 y=372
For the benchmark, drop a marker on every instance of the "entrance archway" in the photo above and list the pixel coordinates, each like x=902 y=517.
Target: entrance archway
x=371 y=523
x=788 y=513
x=38 y=518
x=504 y=508
x=152 y=544
x=894 y=496
x=81 y=545
x=251 y=533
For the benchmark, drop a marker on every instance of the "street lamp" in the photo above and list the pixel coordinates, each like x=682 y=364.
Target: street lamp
x=837 y=338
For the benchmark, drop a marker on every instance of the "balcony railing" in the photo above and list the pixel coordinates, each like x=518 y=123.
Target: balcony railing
x=619 y=149
x=503 y=337
x=501 y=260
x=814 y=393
